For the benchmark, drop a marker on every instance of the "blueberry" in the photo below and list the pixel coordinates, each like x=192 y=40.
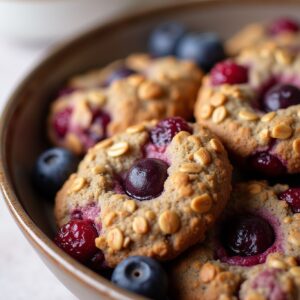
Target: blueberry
x=145 y=179
x=52 y=169
x=164 y=38
x=206 y=49
x=141 y=275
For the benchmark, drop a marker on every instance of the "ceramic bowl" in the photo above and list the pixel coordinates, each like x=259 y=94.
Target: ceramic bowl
x=22 y=130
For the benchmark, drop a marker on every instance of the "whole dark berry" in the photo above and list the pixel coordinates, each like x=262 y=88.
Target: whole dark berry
x=281 y=96
x=141 y=275
x=164 y=38
x=266 y=164
x=247 y=235
x=145 y=179
x=206 y=49
x=52 y=169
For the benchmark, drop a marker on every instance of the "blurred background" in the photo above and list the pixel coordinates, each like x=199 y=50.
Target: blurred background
x=28 y=31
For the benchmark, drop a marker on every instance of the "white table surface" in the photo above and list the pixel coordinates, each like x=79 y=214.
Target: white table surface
x=23 y=276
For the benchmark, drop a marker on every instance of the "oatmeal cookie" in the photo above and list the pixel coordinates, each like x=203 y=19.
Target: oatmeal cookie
x=280 y=32
x=103 y=102
x=252 y=253
x=152 y=190
x=253 y=104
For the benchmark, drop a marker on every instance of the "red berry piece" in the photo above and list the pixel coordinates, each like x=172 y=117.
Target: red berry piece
x=163 y=133
x=229 y=72
x=283 y=25
x=292 y=197
x=77 y=238
x=61 y=122
x=97 y=131
x=270 y=282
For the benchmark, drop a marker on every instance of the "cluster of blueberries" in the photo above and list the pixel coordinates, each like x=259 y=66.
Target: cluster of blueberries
x=171 y=38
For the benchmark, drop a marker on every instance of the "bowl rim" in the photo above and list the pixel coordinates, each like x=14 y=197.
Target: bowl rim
x=33 y=233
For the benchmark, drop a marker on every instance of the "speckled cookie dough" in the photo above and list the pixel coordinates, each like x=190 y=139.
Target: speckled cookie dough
x=193 y=195
x=103 y=102
x=235 y=112
x=281 y=32
x=209 y=271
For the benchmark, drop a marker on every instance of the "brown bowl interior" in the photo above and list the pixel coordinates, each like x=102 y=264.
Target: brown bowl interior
x=23 y=122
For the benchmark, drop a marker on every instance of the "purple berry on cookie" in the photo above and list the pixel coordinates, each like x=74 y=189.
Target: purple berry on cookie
x=145 y=179
x=266 y=164
x=281 y=96
x=247 y=235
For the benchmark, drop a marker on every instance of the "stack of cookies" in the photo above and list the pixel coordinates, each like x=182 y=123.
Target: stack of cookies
x=211 y=206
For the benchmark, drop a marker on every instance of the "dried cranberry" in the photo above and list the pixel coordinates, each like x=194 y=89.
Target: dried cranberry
x=163 y=133
x=61 y=121
x=292 y=197
x=229 y=72
x=77 y=238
